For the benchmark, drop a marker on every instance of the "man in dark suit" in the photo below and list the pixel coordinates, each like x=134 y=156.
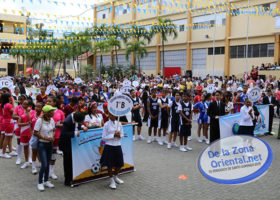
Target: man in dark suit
x=215 y=110
x=96 y=97
x=70 y=129
x=271 y=101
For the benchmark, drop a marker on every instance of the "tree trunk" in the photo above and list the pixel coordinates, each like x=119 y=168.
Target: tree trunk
x=139 y=68
x=117 y=61
x=101 y=63
x=64 y=65
x=163 y=62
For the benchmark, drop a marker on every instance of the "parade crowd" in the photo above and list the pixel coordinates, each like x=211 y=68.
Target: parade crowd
x=43 y=126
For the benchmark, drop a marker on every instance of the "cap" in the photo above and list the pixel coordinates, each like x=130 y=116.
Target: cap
x=105 y=105
x=48 y=108
x=239 y=89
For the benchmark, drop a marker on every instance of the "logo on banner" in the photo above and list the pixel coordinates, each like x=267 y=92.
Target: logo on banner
x=78 y=80
x=235 y=160
x=6 y=82
x=254 y=94
x=120 y=105
x=126 y=89
x=235 y=128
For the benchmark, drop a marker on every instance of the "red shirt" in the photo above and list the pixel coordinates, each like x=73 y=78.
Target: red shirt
x=199 y=89
x=7 y=115
x=105 y=117
x=69 y=109
x=197 y=99
x=42 y=99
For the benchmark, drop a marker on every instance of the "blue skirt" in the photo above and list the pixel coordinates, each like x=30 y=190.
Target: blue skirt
x=112 y=156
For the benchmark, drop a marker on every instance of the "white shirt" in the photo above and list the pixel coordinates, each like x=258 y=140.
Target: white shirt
x=109 y=129
x=186 y=104
x=47 y=129
x=246 y=119
x=94 y=119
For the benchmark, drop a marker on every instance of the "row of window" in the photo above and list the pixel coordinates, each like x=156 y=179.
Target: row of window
x=218 y=51
x=254 y=51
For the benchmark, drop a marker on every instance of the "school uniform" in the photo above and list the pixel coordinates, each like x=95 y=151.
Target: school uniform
x=246 y=126
x=154 y=109
x=112 y=155
x=135 y=114
x=163 y=114
x=174 y=116
x=186 y=108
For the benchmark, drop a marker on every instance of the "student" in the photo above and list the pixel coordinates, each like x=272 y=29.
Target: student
x=82 y=106
x=35 y=114
x=16 y=116
x=105 y=114
x=8 y=124
x=24 y=123
x=174 y=120
x=44 y=130
x=72 y=107
x=206 y=119
x=153 y=109
x=43 y=96
x=58 y=118
x=246 y=123
x=135 y=114
x=163 y=103
x=112 y=156
x=93 y=117
x=185 y=109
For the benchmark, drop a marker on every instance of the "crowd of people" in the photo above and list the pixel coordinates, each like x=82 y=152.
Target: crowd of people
x=42 y=126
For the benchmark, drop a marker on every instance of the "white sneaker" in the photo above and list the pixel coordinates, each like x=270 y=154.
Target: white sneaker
x=113 y=184
x=164 y=142
x=169 y=146
x=48 y=184
x=140 y=137
x=1 y=154
x=59 y=152
x=189 y=138
x=159 y=141
x=118 y=181
x=18 y=161
x=188 y=148
x=183 y=149
x=13 y=153
x=41 y=187
x=7 y=150
x=133 y=137
x=207 y=141
x=14 y=148
x=30 y=160
x=53 y=176
x=149 y=140
x=6 y=156
x=25 y=165
x=155 y=139
x=174 y=144
x=204 y=138
x=199 y=139
x=34 y=170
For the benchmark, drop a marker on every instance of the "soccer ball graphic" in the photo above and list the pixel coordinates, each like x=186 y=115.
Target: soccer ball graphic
x=95 y=168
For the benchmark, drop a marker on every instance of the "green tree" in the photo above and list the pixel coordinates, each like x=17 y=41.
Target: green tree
x=166 y=29
x=47 y=71
x=101 y=47
x=138 y=47
x=87 y=71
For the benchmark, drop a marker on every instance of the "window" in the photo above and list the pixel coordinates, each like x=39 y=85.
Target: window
x=5 y=48
x=3 y=69
x=224 y=21
x=266 y=6
x=233 y=52
x=254 y=51
x=212 y=23
x=263 y=50
x=182 y=28
x=1 y=27
x=241 y=51
x=270 y=49
x=218 y=51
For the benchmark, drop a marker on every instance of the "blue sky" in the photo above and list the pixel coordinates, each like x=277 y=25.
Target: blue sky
x=62 y=8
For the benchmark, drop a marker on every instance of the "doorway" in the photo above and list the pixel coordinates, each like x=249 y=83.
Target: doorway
x=11 y=69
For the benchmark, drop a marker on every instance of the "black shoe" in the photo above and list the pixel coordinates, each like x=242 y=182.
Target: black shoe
x=68 y=184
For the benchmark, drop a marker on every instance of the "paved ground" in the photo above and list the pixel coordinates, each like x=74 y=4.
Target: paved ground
x=156 y=178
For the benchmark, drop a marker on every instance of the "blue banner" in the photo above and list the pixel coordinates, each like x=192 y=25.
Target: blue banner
x=87 y=150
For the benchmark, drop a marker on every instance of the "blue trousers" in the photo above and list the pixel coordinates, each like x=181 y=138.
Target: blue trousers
x=45 y=154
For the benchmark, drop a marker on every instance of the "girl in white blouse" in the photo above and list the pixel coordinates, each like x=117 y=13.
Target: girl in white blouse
x=112 y=155
x=93 y=118
x=246 y=126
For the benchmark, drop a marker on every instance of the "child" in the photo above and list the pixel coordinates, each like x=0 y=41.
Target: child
x=153 y=109
x=82 y=106
x=24 y=123
x=35 y=114
x=112 y=155
x=185 y=109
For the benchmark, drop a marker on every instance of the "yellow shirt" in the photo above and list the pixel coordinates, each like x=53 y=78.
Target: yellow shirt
x=182 y=87
x=189 y=85
x=160 y=85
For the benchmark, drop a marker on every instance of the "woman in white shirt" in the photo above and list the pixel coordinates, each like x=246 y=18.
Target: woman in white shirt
x=228 y=103
x=93 y=118
x=246 y=126
x=44 y=130
x=112 y=155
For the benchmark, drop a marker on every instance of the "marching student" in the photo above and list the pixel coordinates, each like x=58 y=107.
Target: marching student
x=206 y=119
x=185 y=109
x=43 y=96
x=35 y=114
x=135 y=114
x=112 y=156
x=174 y=120
x=247 y=116
x=163 y=103
x=24 y=123
x=7 y=103
x=58 y=119
x=153 y=109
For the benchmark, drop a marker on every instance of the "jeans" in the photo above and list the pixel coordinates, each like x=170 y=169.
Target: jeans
x=45 y=154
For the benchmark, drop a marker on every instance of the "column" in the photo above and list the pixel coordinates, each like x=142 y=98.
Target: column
x=189 y=39
x=158 y=54
x=227 y=44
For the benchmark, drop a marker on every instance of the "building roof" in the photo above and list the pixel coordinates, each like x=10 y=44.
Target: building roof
x=85 y=55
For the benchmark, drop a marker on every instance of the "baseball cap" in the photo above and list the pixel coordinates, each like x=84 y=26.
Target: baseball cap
x=48 y=108
x=239 y=89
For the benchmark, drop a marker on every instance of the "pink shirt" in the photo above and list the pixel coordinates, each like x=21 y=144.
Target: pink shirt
x=1 y=113
x=25 y=130
x=33 y=118
x=58 y=117
x=19 y=111
x=7 y=115
x=278 y=95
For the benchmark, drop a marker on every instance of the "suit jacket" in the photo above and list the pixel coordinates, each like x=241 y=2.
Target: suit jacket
x=67 y=132
x=214 y=111
x=96 y=98
x=273 y=101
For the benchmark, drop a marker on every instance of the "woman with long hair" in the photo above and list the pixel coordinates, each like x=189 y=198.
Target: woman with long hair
x=227 y=99
x=93 y=118
x=44 y=130
x=58 y=118
x=7 y=103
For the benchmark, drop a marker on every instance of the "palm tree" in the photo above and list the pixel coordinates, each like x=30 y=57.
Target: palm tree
x=114 y=45
x=138 y=47
x=165 y=29
x=47 y=71
x=87 y=71
x=102 y=47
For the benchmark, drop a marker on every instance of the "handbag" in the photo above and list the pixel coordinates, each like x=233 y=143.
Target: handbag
x=34 y=139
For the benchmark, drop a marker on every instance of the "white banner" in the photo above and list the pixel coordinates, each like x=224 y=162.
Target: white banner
x=229 y=124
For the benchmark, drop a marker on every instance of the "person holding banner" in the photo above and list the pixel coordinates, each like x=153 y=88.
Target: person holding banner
x=71 y=128
x=112 y=155
x=269 y=99
x=246 y=126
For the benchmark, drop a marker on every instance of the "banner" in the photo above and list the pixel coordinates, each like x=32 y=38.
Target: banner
x=87 y=150
x=229 y=124
x=33 y=92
